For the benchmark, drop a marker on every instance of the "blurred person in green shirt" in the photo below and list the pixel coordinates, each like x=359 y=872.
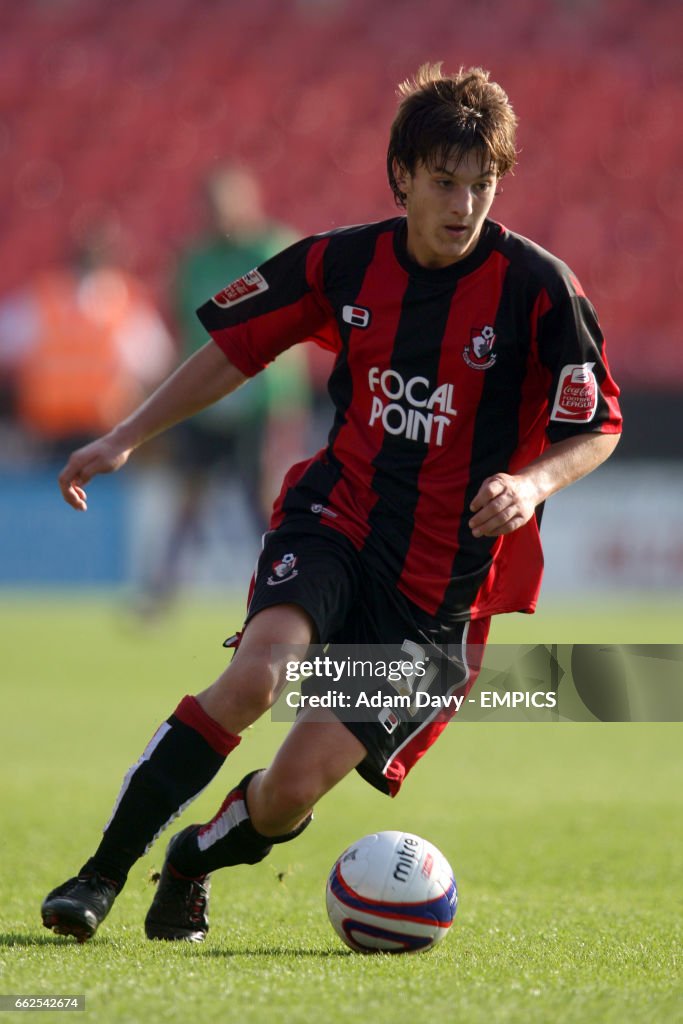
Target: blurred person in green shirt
x=256 y=433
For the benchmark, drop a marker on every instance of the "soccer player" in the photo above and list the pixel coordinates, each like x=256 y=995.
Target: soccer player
x=470 y=384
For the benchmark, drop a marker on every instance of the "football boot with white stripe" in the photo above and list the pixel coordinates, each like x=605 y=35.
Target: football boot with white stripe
x=179 y=910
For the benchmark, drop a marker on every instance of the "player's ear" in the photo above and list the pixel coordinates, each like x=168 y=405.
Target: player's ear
x=401 y=175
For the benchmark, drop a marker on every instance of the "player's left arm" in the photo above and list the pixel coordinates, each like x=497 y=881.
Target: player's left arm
x=505 y=501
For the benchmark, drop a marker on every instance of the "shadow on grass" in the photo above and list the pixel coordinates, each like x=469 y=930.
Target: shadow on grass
x=28 y=939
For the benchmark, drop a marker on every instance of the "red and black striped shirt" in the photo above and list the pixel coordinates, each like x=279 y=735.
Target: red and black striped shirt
x=442 y=378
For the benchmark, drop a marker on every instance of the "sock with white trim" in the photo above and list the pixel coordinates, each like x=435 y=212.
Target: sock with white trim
x=178 y=763
x=228 y=839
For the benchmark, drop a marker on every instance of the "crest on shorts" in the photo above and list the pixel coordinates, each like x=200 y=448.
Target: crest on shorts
x=479 y=353
x=283 y=570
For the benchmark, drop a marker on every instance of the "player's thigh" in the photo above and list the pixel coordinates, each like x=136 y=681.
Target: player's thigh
x=254 y=677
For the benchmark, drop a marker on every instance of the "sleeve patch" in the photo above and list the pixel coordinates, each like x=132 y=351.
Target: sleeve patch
x=576 y=398
x=243 y=288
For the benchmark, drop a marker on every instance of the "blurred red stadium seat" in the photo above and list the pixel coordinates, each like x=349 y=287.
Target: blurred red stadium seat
x=133 y=102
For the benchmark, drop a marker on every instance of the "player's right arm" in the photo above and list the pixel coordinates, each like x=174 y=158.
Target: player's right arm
x=199 y=382
x=251 y=322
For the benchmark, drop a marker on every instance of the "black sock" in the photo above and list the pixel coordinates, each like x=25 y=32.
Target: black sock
x=228 y=839
x=178 y=763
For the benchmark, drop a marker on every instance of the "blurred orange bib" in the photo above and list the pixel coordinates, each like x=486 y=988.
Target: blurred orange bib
x=74 y=379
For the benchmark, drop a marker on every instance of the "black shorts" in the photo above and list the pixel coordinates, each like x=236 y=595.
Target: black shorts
x=355 y=609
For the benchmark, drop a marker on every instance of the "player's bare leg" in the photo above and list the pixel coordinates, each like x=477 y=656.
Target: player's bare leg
x=314 y=757
x=252 y=681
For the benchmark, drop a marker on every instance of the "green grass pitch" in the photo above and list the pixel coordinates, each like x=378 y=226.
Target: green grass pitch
x=565 y=840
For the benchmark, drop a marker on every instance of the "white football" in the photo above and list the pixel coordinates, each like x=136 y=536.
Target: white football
x=391 y=892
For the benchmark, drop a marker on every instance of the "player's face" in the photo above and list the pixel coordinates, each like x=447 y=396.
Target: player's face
x=446 y=208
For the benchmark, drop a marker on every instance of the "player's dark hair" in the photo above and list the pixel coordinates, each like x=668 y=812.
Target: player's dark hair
x=443 y=117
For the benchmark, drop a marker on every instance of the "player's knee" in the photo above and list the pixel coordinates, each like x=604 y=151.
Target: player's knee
x=244 y=692
x=282 y=799
x=252 y=681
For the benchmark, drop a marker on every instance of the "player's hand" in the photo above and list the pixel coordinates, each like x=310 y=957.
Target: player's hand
x=502 y=504
x=101 y=456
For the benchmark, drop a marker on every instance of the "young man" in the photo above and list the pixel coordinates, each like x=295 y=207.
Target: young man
x=470 y=384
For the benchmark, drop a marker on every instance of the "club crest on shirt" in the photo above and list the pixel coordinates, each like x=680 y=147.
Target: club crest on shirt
x=576 y=398
x=479 y=353
x=283 y=570
x=244 y=287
